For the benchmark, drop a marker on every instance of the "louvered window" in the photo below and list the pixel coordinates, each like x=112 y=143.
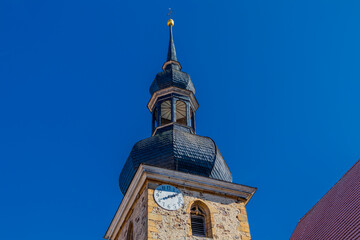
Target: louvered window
x=198 y=221
x=165 y=112
x=181 y=112
x=198 y=225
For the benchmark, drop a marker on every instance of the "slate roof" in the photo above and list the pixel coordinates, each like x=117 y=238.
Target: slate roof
x=174 y=147
x=172 y=77
x=337 y=214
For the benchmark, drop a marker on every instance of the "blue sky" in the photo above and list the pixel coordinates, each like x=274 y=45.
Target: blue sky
x=277 y=82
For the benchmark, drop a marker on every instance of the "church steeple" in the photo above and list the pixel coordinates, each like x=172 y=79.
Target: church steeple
x=176 y=183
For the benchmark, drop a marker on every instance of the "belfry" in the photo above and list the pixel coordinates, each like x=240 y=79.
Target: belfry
x=176 y=184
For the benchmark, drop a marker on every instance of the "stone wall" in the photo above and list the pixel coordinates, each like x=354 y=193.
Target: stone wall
x=138 y=217
x=228 y=217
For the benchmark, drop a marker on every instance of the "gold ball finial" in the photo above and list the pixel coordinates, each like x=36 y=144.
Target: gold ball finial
x=170 y=22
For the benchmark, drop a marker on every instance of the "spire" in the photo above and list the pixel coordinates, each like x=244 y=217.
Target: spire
x=171 y=61
x=171 y=52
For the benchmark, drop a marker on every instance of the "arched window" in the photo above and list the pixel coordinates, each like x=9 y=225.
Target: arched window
x=130 y=232
x=165 y=112
x=181 y=112
x=200 y=220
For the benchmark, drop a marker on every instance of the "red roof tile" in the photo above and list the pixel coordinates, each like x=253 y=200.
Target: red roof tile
x=337 y=214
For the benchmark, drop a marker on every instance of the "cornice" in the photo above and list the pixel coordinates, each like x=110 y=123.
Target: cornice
x=170 y=90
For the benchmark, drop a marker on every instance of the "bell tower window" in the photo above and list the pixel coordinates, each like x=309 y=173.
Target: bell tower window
x=165 y=112
x=173 y=110
x=181 y=112
x=200 y=220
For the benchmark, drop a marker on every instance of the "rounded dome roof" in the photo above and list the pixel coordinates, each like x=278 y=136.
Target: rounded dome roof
x=172 y=77
x=174 y=148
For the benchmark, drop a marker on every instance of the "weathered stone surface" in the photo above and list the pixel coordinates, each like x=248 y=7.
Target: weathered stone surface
x=227 y=221
x=151 y=222
x=138 y=217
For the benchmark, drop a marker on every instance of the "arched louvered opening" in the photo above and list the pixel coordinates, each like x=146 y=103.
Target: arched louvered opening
x=130 y=232
x=200 y=220
x=165 y=112
x=181 y=112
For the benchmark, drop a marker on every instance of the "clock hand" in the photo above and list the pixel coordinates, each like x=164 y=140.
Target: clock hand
x=170 y=196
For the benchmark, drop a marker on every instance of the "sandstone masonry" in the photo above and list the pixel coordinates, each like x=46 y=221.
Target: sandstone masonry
x=150 y=221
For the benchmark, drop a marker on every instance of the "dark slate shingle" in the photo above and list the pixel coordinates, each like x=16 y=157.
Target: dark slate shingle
x=179 y=150
x=172 y=78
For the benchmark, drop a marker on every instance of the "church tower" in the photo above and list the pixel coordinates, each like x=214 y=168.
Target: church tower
x=176 y=184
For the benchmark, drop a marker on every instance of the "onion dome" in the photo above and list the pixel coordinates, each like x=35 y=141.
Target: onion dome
x=172 y=78
x=174 y=147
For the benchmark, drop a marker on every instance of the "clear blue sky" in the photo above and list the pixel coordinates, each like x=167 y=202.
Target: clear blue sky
x=277 y=82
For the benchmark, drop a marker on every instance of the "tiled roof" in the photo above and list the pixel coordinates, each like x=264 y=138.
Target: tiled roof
x=172 y=77
x=337 y=214
x=176 y=149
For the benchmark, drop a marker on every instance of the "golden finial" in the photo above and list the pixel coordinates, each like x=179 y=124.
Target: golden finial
x=170 y=22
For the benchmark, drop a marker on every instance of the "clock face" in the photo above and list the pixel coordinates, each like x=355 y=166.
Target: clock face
x=168 y=197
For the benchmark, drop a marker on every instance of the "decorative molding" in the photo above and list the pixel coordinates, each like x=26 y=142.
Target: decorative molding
x=170 y=90
x=170 y=62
